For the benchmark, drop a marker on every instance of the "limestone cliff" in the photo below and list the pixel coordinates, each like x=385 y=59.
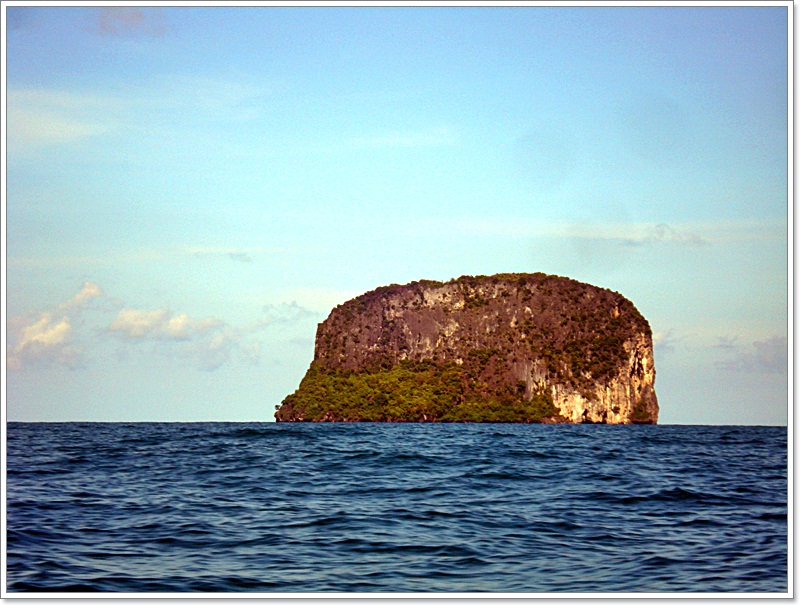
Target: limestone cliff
x=509 y=347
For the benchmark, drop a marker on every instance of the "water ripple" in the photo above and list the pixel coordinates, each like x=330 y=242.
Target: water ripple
x=227 y=507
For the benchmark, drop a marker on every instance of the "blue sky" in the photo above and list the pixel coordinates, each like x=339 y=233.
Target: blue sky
x=191 y=190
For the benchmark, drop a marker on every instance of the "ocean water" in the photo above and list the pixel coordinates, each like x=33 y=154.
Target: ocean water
x=281 y=508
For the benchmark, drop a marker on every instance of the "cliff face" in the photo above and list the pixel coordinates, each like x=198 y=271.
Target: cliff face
x=513 y=347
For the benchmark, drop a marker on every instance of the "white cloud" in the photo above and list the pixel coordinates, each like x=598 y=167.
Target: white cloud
x=135 y=323
x=208 y=343
x=46 y=331
x=89 y=291
x=45 y=340
x=139 y=324
x=50 y=337
x=178 y=327
x=63 y=334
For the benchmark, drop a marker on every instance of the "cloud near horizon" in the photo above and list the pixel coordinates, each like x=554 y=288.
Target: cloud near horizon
x=663 y=233
x=770 y=356
x=208 y=343
x=139 y=324
x=48 y=337
x=46 y=340
x=64 y=334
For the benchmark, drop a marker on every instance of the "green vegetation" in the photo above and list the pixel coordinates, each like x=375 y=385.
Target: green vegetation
x=641 y=415
x=503 y=409
x=410 y=391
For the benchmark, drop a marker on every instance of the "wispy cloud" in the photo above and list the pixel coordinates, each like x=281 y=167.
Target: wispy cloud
x=727 y=343
x=42 y=117
x=629 y=233
x=143 y=256
x=663 y=233
x=241 y=257
x=238 y=254
x=318 y=301
x=230 y=97
x=665 y=342
x=636 y=234
x=766 y=356
x=47 y=116
x=287 y=312
x=211 y=354
x=283 y=314
x=43 y=127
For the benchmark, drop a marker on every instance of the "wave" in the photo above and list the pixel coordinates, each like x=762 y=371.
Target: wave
x=227 y=507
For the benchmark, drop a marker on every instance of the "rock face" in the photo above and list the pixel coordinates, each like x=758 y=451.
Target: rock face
x=509 y=347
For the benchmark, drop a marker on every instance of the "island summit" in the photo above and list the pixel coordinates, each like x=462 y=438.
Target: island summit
x=503 y=348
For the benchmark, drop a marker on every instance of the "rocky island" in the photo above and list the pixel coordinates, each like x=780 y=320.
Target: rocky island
x=502 y=348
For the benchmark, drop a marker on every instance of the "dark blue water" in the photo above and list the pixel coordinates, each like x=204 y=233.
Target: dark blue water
x=225 y=507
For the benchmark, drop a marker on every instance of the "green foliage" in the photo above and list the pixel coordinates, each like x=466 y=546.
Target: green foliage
x=502 y=409
x=407 y=391
x=482 y=356
x=475 y=301
x=641 y=415
x=410 y=391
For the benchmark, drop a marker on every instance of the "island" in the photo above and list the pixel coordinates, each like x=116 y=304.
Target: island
x=516 y=347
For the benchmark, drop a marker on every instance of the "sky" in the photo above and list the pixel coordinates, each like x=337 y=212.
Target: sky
x=191 y=190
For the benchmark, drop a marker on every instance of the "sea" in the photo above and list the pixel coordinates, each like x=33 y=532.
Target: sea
x=324 y=508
